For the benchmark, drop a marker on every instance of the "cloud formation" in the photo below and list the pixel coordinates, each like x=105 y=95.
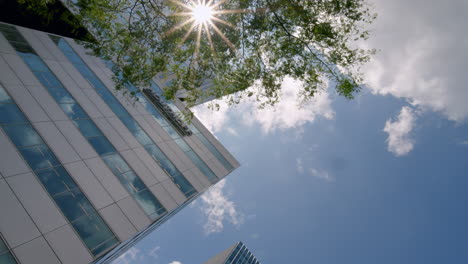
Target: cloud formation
x=133 y=255
x=175 y=262
x=219 y=209
x=299 y=166
x=320 y=174
x=285 y=115
x=422 y=55
x=399 y=141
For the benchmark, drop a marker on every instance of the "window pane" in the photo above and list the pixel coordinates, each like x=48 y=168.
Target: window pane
x=39 y=157
x=94 y=233
x=7 y=259
x=61 y=95
x=130 y=123
x=3 y=247
x=116 y=164
x=56 y=180
x=87 y=128
x=35 y=63
x=11 y=114
x=74 y=111
x=48 y=79
x=101 y=145
x=149 y=204
x=132 y=179
x=22 y=135
x=182 y=145
x=142 y=137
x=74 y=205
x=4 y=98
x=154 y=151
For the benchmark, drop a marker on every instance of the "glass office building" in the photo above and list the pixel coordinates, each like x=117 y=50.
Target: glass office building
x=236 y=254
x=84 y=172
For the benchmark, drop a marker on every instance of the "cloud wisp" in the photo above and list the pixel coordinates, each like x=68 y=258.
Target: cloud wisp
x=320 y=174
x=133 y=255
x=218 y=209
x=399 y=141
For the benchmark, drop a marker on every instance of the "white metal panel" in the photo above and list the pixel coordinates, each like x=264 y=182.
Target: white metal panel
x=68 y=246
x=89 y=184
x=36 y=251
x=118 y=222
x=37 y=202
x=11 y=162
x=57 y=142
x=107 y=178
x=15 y=224
x=26 y=102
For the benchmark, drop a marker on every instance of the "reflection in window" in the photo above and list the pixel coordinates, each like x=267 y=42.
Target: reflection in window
x=71 y=108
x=55 y=179
x=124 y=116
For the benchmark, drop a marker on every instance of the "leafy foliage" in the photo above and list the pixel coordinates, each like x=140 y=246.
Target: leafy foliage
x=311 y=41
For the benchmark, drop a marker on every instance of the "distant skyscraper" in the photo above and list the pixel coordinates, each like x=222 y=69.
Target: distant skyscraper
x=236 y=254
x=84 y=172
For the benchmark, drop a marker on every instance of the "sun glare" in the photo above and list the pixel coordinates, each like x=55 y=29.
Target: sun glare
x=202 y=13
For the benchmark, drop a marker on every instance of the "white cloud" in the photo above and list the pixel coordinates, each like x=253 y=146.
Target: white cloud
x=422 y=54
x=288 y=113
x=321 y=174
x=399 y=141
x=130 y=256
x=299 y=166
x=285 y=115
x=175 y=262
x=219 y=209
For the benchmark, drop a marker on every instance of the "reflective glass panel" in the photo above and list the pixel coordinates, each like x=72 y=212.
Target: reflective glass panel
x=22 y=135
x=10 y=114
x=101 y=145
x=39 y=157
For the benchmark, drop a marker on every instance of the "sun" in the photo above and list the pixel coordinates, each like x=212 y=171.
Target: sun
x=202 y=13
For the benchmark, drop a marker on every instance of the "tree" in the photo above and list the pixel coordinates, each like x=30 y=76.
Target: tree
x=245 y=49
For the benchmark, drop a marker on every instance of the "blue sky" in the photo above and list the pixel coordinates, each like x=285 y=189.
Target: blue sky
x=379 y=179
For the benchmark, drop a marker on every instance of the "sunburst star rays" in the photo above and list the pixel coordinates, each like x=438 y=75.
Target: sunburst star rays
x=203 y=15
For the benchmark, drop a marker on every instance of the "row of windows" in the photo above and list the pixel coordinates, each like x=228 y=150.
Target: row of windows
x=227 y=165
x=86 y=126
x=241 y=255
x=174 y=134
x=5 y=256
x=125 y=117
x=56 y=180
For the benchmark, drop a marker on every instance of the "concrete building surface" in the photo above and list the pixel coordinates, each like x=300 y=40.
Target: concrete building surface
x=235 y=254
x=86 y=172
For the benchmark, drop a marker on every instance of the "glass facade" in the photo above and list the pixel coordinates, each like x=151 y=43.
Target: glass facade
x=173 y=132
x=56 y=181
x=241 y=255
x=226 y=164
x=40 y=157
x=125 y=117
x=5 y=255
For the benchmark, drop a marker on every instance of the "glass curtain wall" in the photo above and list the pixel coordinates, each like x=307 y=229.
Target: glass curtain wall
x=226 y=164
x=56 y=181
x=127 y=177
x=173 y=133
x=174 y=174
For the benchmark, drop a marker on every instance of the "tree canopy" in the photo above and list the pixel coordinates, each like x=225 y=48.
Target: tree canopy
x=245 y=48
